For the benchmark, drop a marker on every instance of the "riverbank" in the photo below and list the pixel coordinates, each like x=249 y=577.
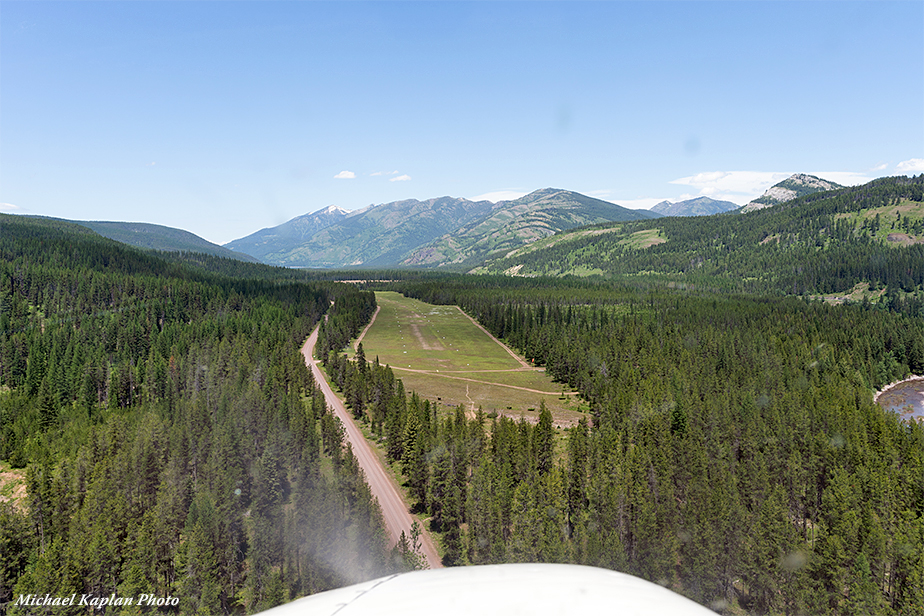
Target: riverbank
x=913 y=377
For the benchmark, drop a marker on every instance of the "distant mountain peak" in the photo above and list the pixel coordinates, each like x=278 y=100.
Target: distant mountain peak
x=546 y=192
x=699 y=206
x=300 y=228
x=796 y=185
x=512 y=224
x=536 y=195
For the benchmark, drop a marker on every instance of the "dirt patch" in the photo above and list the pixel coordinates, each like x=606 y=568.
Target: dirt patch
x=904 y=239
x=769 y=239
x=651 y=241
x=906 y=207
x=366 y=329
x=13 y=487
x=426 y=346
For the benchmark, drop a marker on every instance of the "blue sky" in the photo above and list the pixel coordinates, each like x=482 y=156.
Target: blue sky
x=223 y=118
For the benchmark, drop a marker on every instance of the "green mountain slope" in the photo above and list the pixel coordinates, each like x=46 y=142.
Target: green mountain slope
x=512 y=224
x=820 y=243
x=284 y=237
x=380 y=235
x=158 y=237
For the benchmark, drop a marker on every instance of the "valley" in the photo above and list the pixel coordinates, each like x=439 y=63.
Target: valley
x=688 y=400
x=592 y=304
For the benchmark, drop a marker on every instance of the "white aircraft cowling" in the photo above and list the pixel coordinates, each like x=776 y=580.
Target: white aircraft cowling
x=489 y=590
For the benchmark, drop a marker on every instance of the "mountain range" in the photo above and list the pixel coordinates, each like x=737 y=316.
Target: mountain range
x=820 y=242
x=446 y=231
x=377 y=236
x=512 y=224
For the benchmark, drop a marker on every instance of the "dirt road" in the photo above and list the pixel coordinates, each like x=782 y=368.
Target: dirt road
x=394 y=510
x=365 y=329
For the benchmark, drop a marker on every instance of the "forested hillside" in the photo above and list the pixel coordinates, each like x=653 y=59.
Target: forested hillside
x=174 y=442
x=511 y=224
x=172 y=438
x=818 y=243
x=735 y=454
x=159 y=237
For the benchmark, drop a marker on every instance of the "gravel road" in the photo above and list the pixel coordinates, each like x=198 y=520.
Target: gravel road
x=397 y=516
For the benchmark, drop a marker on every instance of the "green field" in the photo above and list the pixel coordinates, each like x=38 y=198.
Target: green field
x=442 y=355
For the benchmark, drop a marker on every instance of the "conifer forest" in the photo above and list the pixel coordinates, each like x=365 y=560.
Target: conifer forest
x=172 y=439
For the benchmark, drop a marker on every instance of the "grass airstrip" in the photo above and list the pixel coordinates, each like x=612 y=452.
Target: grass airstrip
x=443 y=355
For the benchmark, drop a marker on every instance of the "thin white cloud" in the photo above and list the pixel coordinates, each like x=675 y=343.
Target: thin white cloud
x=500 y=195
x=644 y=203
x=743 y=186
x=844 y=178
x=9 y=207
x=731 y=184
x=879 y=167
x=384 y=173
x=401 y=178
x=911 y=165
x=345 y=175
x=639 y=203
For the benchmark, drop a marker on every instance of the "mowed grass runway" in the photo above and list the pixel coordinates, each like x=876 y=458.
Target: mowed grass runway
x=442 y=355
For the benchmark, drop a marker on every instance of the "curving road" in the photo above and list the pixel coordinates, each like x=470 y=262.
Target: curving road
x=395 y=512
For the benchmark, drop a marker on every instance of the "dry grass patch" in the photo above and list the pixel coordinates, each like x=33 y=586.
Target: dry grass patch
x=13 y=486
x=644 y=239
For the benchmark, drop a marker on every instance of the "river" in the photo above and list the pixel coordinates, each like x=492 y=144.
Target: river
x=905 y=398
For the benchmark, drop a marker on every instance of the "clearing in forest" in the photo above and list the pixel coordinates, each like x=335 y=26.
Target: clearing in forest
x=445 y=356
x=13 y=486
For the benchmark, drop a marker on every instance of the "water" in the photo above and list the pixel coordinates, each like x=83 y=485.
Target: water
x=899 y=397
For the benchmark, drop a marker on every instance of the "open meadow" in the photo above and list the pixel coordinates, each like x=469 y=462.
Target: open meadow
x=443 y=355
